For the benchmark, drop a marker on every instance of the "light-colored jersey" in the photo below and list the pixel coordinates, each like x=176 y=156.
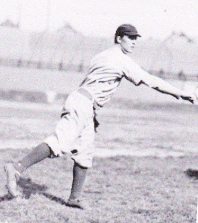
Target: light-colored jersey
x=106 y=72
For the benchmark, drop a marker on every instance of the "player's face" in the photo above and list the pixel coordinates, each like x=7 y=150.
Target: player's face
x=127 y=43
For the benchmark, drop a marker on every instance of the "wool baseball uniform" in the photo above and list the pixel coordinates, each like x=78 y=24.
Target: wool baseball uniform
x=74 y=133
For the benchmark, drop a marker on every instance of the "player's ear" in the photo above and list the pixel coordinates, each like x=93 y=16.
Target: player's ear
x=119 y=39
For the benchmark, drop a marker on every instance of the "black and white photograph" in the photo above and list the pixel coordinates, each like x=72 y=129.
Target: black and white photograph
x=99 y=111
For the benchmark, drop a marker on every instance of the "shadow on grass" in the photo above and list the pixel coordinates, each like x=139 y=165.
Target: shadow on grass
x=192 y=173
x=54 y=198
x=32 y=188
x=6 y=197
x=28 y=188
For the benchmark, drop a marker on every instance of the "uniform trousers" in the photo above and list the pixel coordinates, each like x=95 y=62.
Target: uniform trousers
x=74 y=133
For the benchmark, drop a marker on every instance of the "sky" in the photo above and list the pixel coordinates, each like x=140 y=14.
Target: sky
x=152 y=18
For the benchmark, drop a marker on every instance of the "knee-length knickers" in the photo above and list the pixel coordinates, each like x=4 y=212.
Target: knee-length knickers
x=74 y=133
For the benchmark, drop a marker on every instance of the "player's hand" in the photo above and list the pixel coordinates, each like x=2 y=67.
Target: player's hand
x=189 y=97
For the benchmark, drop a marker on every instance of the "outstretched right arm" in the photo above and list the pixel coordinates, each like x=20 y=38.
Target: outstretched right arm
x=140 y=76
x=166 y=88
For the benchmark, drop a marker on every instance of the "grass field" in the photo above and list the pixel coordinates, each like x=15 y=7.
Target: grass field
x=148 y=186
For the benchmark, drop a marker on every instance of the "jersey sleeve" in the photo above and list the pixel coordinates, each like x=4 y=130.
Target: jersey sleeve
x=134 y=73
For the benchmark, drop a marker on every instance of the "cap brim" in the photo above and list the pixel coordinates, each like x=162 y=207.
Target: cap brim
x=133 y=34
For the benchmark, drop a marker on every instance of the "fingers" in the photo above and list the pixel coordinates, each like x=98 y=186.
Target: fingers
x=191 y=99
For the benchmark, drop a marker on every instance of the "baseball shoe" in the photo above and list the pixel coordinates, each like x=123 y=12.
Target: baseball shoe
x=77 y=203
x=13 y=177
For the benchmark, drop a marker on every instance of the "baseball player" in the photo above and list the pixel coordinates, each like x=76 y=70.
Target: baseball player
x=74 y=133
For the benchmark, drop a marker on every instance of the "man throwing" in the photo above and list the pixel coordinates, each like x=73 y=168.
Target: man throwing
x=74 y=133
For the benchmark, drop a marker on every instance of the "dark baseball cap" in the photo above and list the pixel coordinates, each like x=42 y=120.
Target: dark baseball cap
x=127 y=29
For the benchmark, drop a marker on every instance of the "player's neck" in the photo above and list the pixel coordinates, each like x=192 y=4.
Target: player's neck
x=122 y=49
